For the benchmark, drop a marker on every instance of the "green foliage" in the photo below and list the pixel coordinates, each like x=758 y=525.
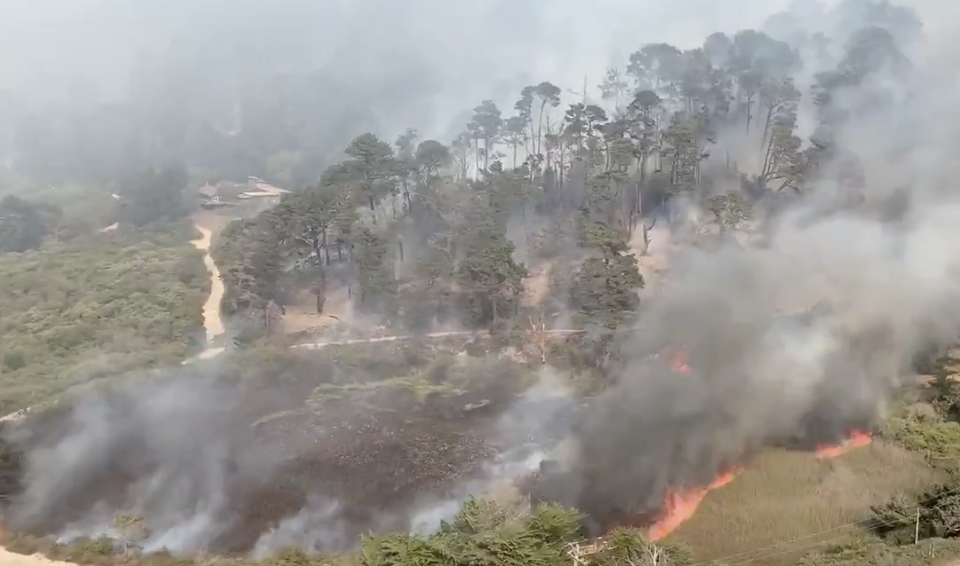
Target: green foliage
x=491 y=281
x=899 y=522
x=372 y=168
x=629 y=546
x=153 y=196
x=431 y=156
x=483 y=533
x=24 y=225
x=374 y=272
x=731 y=211
x=75 y=312
x=871 y=552
x=938 y=441
x=11 y=470
x=604 y=290
x=250 y=258
x=13 y=361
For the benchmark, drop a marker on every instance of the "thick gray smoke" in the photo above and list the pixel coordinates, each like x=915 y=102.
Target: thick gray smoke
x=172 y=462
x=799 y=339
x=164 y=449
x=868 y=296
x=538 y=419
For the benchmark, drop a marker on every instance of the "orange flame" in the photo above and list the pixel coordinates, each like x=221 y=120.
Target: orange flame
x=680 y=505
x=857 y=439
x=678 y=362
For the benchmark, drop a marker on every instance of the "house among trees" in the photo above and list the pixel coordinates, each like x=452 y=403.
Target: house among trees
x=226 y=193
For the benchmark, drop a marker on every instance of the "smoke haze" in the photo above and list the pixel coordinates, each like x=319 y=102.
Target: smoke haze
x=181 y=70
x=760 y=376
x=802 y=338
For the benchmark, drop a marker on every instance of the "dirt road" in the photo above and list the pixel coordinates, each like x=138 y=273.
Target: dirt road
x=212 y=320
x=212 y=323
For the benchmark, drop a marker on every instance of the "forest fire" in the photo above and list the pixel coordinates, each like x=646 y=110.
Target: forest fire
x=678 y=362
x=680 y=502
x=679 y=506
x=856 y=439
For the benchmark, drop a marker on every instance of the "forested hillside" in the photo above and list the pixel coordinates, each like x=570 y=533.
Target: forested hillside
x=425 y=232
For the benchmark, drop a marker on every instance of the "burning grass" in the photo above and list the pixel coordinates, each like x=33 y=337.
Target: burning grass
x=425 y=418
x=786 y=495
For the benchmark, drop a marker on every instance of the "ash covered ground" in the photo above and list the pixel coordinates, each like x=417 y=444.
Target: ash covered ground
x=234 y=468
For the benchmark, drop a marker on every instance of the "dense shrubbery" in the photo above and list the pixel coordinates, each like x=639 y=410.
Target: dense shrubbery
x=75 y=311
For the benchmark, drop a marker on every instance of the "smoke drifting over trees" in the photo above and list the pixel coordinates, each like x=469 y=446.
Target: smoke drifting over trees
x=761 y=378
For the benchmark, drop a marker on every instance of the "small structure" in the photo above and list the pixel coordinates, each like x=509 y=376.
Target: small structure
x=226 y=193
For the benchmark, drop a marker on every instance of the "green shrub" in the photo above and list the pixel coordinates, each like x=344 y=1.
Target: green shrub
x=483 y=533
x=14 y=361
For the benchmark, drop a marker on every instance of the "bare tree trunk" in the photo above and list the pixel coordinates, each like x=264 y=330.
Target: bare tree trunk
x=321 y=291
x=476 y=155
x=539 y=146
x=326 y=249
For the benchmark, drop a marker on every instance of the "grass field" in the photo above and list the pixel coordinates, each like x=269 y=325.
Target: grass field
x=791 y=496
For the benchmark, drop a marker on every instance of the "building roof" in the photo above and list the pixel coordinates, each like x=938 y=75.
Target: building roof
x=268 y=188
x=208 y=190
x=258 y=194
x=228 y=190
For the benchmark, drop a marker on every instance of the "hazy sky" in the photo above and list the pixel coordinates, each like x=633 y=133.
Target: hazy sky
x=550 y=36
x=466 y=51
x=46 y=39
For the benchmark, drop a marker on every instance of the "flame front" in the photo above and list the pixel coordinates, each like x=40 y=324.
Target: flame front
x=678 y=362
x=679 y=505
x=857 y=439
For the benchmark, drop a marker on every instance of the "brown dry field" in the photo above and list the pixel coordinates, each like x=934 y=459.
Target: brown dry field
x=786 y=503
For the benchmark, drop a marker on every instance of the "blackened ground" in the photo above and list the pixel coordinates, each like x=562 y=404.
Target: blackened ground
x=376 y=452
x=374 y=467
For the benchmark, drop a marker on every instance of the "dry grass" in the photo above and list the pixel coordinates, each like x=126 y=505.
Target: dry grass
x=785 y=496
x=302 y=312
x=873 y=552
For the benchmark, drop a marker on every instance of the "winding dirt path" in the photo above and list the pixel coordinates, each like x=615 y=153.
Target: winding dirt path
x=212 y=321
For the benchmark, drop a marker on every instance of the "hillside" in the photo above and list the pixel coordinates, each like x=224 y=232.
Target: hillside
x=77 y=311
x=703 y=314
